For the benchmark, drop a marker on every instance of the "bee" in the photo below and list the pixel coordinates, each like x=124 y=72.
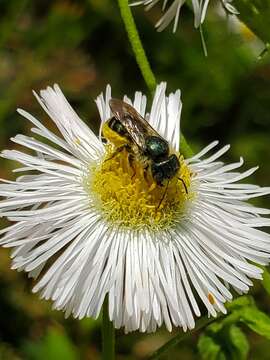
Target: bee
x=128 y=129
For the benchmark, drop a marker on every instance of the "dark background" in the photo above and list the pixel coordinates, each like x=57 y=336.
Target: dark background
x=82 y=45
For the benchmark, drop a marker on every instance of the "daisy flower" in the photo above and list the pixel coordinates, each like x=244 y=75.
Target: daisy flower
x=172 y=12
x=90 y=221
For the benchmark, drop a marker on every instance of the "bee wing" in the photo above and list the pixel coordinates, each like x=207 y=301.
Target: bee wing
x=137 y=127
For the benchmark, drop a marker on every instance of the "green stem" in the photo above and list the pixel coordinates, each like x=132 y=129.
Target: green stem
x=142 y=60
x=108 y=334
x=179 y=338
x=137 y=46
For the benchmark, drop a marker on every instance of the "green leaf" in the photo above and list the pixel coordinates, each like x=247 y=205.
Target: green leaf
x=256 y=320
x=55 y=345
x=239 y=342
x=215 y=327
x=209 y=349
x=242 y=301
x=266 y=280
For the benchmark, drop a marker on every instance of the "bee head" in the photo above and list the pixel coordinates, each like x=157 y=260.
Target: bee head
x=156 y=147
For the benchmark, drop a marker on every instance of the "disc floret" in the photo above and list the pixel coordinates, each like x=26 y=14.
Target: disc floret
x=127 y=194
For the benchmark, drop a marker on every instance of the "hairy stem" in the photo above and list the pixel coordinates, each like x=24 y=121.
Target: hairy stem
x=142 y=60
x=108 y=334
x=136 y=44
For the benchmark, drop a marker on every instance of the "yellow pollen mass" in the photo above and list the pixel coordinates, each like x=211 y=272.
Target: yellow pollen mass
x=128 y=196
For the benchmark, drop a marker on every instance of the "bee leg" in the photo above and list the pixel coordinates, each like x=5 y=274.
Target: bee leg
x=163 y=196
x=118 y=150
x=104 y=140
x=131 y=159
x=185 y=186
x=145 y=171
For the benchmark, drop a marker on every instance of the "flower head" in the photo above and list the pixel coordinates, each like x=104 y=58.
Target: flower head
x=172 y=12
x=90 y=220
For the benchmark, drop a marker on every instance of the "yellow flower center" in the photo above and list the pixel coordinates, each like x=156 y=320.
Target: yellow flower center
x=127 y=194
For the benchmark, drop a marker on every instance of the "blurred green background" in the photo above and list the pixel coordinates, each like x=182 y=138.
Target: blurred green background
x=82 y=45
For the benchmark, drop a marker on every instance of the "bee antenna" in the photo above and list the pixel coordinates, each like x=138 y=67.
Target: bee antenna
x=185 y=186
